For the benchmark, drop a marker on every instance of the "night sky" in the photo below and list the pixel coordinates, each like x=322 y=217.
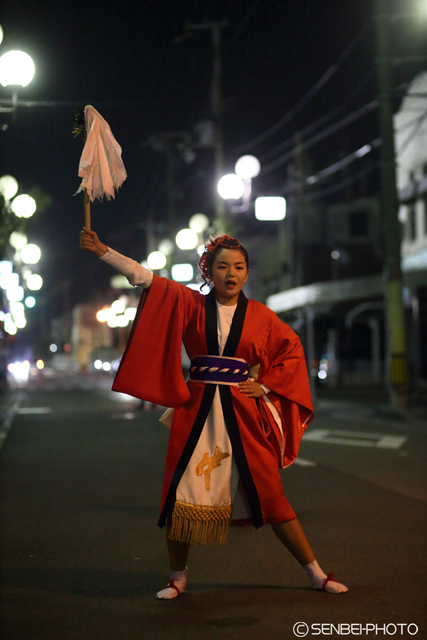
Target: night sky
x=133 y=62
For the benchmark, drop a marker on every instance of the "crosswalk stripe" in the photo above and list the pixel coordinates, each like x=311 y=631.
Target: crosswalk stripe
x=355 y=438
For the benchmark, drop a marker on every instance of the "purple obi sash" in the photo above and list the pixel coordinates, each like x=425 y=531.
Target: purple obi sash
x=218 y=370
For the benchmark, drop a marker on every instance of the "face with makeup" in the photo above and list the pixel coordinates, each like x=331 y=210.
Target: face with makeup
x=229 y=273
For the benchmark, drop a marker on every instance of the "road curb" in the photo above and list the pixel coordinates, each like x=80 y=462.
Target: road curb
x=9 y=407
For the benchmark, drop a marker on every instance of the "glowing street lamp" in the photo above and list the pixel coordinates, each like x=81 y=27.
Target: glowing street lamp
x=182 y=272
x=231 y=187
x=16 y=68
x=186 y=239
x=15 y=294
x=30 y=254
x=24 y=206
x=156 y=260
x=34 y=282
x=8 y=187
x=247 y=167
x=9 y=280
x=18 y=240
x=270 y=208
x=166 y=247
x=199 y=222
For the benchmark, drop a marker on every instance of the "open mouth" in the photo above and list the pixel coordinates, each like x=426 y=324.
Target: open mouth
x=230 y=284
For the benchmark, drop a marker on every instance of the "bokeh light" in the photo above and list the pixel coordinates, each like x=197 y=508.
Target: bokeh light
x=8 y=187
x=23 y=206
x=30 y=254
x=156 y=260
x=186 y=239
x=231 y=187
x=199 y=222
x=34 y=282
x=247 y=167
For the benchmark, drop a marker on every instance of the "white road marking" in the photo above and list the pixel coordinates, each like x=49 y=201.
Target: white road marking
x=302 y=462
x=355 y=438
x=33 y=410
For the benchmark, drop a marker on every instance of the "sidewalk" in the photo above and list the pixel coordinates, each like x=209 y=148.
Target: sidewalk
x=10 y=400
x=372 y=402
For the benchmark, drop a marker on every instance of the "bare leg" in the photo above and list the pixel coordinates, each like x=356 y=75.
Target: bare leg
x=178 y=552
x=293 y=537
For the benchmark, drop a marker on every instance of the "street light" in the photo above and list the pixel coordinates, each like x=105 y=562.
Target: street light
x=199 y=222
x=18 y=240
x=231 y=187
x=247 y=167
x=156 y=260
x=166 y=247
x=8 y=187
x=30 y=254
x=24 y=206
x=186 y=239
x=34 y=282
x=15 y=294
x=270 y=208
x=16 y=68
x=182 y=272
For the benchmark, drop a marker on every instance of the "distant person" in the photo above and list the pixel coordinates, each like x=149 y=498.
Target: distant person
x=239 y=417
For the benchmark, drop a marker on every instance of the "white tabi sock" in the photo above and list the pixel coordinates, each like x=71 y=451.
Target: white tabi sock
x=175 y=586
x=319 y=580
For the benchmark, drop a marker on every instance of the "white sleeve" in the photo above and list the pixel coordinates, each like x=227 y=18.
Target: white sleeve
x=137 y=275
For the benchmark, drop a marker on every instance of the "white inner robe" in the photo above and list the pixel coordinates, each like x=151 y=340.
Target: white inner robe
x=220 y=487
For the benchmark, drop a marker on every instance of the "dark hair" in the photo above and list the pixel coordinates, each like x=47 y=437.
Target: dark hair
x=212 y=248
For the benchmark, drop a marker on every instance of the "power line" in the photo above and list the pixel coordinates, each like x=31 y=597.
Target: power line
x=311 y=94
x=320 y=121
x=367 y=108
x=341 y=185
x=344 y=162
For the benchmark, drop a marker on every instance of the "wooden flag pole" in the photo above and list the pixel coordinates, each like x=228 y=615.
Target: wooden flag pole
x=86 y=201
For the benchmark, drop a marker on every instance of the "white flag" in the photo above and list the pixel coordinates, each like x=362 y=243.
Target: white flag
x=101 y=166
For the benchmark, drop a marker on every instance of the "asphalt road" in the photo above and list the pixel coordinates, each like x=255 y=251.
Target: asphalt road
x=81 y=556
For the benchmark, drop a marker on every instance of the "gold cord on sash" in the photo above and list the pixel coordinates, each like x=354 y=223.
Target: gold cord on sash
x=198 y=524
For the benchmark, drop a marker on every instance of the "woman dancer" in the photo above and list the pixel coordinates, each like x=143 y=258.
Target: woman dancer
x=239 y=417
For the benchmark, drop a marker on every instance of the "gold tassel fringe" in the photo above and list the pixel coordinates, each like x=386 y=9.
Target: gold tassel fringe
x=198 y=524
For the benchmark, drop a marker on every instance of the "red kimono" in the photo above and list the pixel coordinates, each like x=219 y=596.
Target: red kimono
x=169 y=313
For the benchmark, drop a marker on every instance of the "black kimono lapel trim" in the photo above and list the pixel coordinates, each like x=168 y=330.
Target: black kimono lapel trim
x=211 y=332
x=211 y=325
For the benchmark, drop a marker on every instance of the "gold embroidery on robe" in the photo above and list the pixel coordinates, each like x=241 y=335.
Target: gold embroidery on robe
x=210 y=463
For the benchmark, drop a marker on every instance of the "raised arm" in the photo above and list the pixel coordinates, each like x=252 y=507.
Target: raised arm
x=89 y=241
x=136 y=274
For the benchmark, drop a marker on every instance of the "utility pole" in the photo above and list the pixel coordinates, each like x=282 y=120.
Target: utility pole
x=217 y=110
x=395 y=314
x=168 y=142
